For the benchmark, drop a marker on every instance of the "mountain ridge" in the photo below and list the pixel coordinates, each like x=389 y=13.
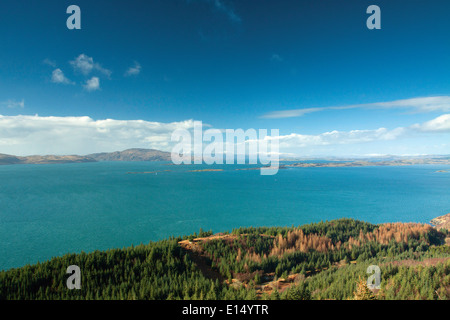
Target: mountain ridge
x=141 y=154
x=6 y=159
x=133 y=154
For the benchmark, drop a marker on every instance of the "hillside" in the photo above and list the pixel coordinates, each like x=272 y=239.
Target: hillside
x=316 y=261
x=132 y=155
x=127 y=155
x=442 y=222
x=9 y=159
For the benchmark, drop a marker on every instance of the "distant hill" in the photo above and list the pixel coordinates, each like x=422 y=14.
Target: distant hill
x=132 y=155
x=127 y=155
x=139 y=154
x=9 y=159
x=365 y=163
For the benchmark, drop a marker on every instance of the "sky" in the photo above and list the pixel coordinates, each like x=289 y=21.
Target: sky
x=139 y=69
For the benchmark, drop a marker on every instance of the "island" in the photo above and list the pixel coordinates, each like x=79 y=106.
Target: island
x=366 y=163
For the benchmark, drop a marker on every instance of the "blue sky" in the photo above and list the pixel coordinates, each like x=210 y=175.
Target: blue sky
x=309 y=68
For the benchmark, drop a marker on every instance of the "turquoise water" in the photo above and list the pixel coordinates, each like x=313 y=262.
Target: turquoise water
x=50 y=210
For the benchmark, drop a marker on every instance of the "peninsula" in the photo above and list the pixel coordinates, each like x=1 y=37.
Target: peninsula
x=368 y=162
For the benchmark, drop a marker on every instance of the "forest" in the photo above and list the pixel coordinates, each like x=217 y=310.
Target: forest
x=325 y=260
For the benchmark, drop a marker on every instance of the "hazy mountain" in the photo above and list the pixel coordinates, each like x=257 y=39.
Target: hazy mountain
x=9 y=159
x=127 y=155
x=132 y=155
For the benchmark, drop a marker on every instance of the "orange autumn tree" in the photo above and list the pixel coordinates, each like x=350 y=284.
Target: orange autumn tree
x=362 y=291
x=385 y=233
x=296 y=240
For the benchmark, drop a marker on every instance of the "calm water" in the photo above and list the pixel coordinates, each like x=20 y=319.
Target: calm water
x=50 y=210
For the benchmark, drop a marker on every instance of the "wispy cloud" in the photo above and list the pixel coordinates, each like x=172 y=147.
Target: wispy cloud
x=92 y=84
x=13 y=103
x=425 y=104
x=49 y=62
x=59 y=77
x=25 y=135
x=134 y=70
x=85 y=65
x=276 y=57
x=221 y=6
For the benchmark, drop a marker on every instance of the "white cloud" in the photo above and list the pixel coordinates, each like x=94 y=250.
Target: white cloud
x=13 y=103
x=92 y=84
x=26 y=135
x=295 y=140
x=134 y=71
x=426 y=104
x=85 y=65
x=439 y=124
x=59 y=77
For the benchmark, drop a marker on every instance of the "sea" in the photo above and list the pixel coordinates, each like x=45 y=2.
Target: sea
x=55 y=209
